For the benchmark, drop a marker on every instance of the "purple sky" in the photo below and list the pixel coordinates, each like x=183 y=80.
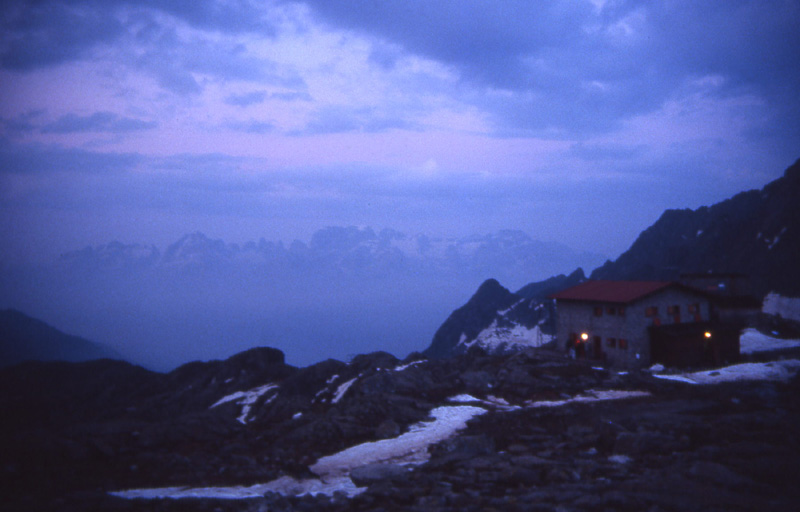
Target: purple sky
x=576 y=121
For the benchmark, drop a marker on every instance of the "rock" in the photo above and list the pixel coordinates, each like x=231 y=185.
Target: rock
x=718 y=474
x=365 y=476
x=387 y=429
x=462 y=448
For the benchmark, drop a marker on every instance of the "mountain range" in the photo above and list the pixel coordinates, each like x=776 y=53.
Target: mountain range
x=354 y=251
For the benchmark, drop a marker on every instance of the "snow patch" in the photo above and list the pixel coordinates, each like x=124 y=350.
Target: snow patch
x=752 y=341
x=776 y=239
x=409 y=365
x=342 y=389
x=493 y=337
x=780 y=371
x=786 y=307
x=409 y=448
x=491 y=401
x=619 y=459
x=286 y=486
x=592 y=395
x=246 y=399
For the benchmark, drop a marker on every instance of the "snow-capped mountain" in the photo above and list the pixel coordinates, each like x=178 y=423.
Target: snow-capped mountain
x=496 y=321
x=509 y=255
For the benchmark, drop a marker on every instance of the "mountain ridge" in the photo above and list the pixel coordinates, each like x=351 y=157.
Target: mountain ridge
x=24 y=338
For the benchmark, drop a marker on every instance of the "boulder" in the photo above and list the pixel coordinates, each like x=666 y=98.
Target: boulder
x=365 y=476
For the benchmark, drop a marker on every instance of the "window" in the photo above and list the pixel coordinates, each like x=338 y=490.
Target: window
x=694 y=308
x=623 y=344
x=611 y=310
x=611 y=342
x=674 y=310
x=656 y=321
x=621 y=311
x=598 y=311
x=651 y=311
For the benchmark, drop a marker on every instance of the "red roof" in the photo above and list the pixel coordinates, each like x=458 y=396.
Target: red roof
x=621 y=292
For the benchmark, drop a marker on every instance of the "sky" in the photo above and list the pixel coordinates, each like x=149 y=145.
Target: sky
x=576 y=121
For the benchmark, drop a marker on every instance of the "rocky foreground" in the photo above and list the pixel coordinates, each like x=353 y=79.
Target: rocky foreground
x=539 y=432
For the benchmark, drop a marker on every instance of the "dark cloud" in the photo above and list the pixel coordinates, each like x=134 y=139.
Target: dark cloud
x=246 y=99
x=107 y=122
x=40 y=33
x=41 y=159
x=35 y=34
x=568 y=67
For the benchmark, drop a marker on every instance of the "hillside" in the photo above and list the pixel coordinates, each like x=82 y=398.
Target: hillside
x=472 y=432
x=23 y=338
x=756 y=233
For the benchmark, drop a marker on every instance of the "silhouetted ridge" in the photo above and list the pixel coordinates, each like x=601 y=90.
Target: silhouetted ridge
x=756 y=233
x=23 y=338
x=471 y=318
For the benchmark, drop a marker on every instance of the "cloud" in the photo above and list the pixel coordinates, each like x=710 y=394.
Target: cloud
x=582 y=67
x=49 y=159
x=106 y=122
x=291 y=96
x=36 y=34
x=258 y=127
x=46 y=33
x=340 y=119
x=246 y=99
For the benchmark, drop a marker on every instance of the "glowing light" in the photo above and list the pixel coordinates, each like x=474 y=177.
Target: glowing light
x=584 y=336
x=707 y=334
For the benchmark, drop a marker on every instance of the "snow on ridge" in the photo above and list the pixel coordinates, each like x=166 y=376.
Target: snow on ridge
x=402 y=367
x=506 y=311
x=342 y=389
x=246 y=399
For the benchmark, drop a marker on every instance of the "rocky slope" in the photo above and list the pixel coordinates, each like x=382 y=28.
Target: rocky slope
x=496 y=321
x=756 y=233
x=23 y=338
x=540 y=432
